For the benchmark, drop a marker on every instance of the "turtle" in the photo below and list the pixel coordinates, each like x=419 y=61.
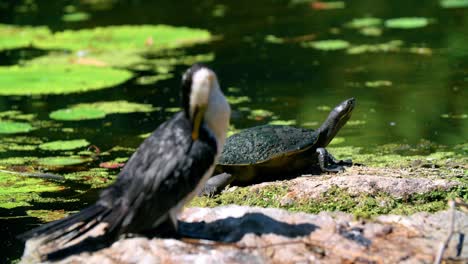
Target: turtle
x=271 y=152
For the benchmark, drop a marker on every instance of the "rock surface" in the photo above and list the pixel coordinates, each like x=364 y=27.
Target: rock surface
x=357 y=180
x=238 y=234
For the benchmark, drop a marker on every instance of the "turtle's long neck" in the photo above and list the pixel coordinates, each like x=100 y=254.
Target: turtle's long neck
x=334 y=122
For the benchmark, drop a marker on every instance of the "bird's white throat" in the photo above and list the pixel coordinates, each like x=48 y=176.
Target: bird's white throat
x=206 y=91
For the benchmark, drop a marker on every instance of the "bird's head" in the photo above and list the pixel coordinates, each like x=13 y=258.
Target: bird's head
x=204 y=102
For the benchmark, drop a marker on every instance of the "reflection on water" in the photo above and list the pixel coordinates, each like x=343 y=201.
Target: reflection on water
x=410 y=84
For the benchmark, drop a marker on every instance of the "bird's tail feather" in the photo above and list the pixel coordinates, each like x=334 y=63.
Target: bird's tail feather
x=71 y=227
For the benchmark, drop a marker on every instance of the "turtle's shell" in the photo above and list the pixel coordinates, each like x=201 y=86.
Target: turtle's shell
x=262 y=143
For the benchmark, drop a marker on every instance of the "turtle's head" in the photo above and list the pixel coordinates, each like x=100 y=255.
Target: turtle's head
x=204 y=102
x=335 y=121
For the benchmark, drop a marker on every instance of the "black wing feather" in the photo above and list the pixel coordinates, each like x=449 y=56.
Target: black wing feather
x=164 y=170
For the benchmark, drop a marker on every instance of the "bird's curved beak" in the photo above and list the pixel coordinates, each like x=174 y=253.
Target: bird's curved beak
x=197 y=121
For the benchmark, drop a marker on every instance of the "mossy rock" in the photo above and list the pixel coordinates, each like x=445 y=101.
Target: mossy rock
x=64 y=144
x=10 y=127
x=58 y=79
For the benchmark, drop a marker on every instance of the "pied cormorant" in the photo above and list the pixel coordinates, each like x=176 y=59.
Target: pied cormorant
x=166 y=171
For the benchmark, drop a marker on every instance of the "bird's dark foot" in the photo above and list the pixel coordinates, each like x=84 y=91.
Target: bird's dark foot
x=216 y=184
x=328 y=163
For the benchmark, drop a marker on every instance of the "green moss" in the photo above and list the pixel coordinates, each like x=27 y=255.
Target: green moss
x=64 y=144
x=9 y=127
x=335 y=199
x=58 y=79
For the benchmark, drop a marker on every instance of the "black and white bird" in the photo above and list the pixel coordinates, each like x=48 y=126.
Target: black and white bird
x=166 y=171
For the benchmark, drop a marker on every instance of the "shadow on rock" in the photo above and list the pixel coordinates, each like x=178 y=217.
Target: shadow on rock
x=232 y=229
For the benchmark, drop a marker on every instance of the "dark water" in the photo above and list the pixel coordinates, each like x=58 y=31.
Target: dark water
x=287 y=79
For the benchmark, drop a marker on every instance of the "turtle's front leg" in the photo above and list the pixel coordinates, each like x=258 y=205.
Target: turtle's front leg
x=216 y=184
x=328 y=163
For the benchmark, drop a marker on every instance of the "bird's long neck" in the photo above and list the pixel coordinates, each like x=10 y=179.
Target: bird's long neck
x=217 y=117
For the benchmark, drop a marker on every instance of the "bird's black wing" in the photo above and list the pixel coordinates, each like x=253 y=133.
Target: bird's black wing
x=164 y=170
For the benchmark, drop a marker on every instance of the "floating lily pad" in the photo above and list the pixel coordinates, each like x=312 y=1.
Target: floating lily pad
x=75 y=114
x=454 y=3
x=452 y=116
x=331 y=44
x=12 y=37
x=378 y=83
x=259 y=114
x=124 y=38
x=62 y=161
x=58 y=79
x=115 y=107
x=96 y=177
x=19 y=190
x=75 y=17
x=391 y=46
x=364 y=22
x=283 y=122
x=238 y=99
x=99 y=110
x=337 y=140
x=407 y=22
x=64 y=144
x=9 y=127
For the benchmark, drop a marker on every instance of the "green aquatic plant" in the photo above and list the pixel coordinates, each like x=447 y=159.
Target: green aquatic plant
x=391 y=46
x=454 y=3
x=283 y=122
x=58 y=79
x=18 y=190
x=134 y=37
x=64 y=144
x=10 y=127
x=75 y=114
x=76 y=17
x=62 y=161
x=327 y=45
x=238 y=99
x=364 y=22
x=47 y=215
x=407 y=22
x=117 y=107
x=12 y=37
x=97 y=110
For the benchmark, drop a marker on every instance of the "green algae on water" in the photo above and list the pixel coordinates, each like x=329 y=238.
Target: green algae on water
x=20 y=191
x=64 y=144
